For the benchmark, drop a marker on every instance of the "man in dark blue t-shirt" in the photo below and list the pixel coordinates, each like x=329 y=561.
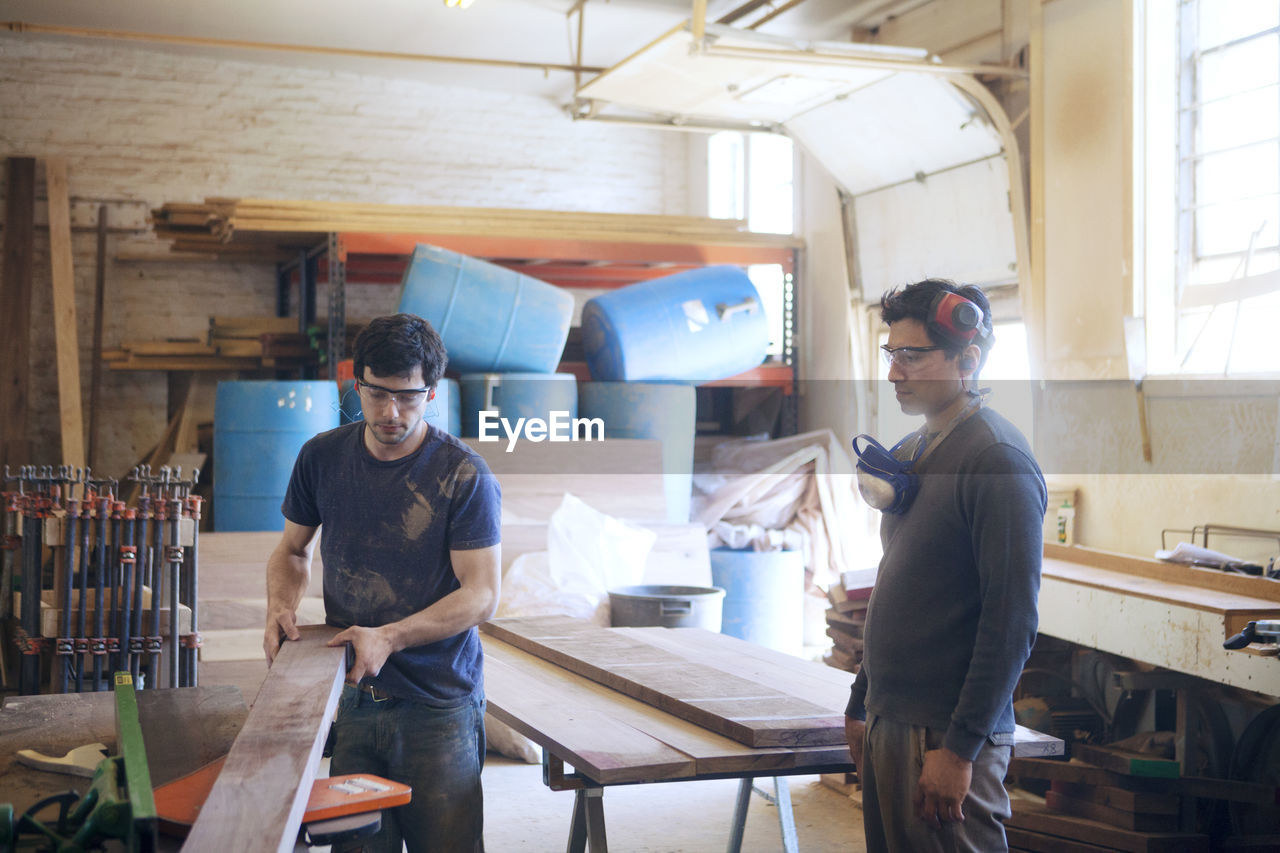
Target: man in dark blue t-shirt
x=411 y=552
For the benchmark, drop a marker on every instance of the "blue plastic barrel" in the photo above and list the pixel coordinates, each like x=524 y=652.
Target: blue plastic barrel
x=764 y=596
x=443 y=413
x=491 y=319
x=695 y=326
x=516 y=395
x=655 y=410
x=258 y=429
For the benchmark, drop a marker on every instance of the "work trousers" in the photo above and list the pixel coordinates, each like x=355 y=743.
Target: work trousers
x=892 y=758
x=439 y=752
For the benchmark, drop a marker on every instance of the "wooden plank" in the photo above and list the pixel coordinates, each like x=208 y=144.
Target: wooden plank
x=1210 y=579
x=1128 y=763
x=820 y=685
x=748 y=712
x=1146 y=802
x=261 y=794
x=66 y=335
x=15 y=319
x=1136 y=821
x=576 y=726
x=1037 y=818
x=1193 y=786
x=95 y=353
x=710 y=753
x=1037 y=842
x=182 y=347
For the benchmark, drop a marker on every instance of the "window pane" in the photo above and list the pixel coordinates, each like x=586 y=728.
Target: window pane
x=1223 y=228
x=1204 y=335
x=1254 y=348
x=1235 y=175
x=769 y=282
x=1218 y=270
x=1222 y=21
x=1234 y=69
x=726 y=180
x=1236 y=121
x=771 y=197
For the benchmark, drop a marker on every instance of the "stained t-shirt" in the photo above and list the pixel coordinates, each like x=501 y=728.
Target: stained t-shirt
x=386 y=532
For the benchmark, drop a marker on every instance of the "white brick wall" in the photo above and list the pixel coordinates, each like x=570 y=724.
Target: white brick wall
x=156 y=126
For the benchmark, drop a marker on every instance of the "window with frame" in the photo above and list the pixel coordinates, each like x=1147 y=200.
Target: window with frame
x=1228 y=246
x=751 y=176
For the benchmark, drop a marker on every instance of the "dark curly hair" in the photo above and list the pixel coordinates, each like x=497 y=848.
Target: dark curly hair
x=396 y=343
x=914 y=301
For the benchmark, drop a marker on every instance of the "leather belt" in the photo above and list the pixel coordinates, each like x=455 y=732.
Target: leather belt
x=370 y=690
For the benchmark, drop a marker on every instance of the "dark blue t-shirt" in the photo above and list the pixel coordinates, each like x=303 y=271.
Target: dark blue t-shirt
x=386 y=532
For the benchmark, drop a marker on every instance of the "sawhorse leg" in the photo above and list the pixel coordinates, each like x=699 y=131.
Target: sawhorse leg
x=587 y=829
x=786 y=820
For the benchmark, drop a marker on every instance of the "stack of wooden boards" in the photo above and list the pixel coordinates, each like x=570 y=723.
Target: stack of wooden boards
x=232 y=343
x=650 y=704
x=847 y=614
x=240 y=226
x=1111 y=799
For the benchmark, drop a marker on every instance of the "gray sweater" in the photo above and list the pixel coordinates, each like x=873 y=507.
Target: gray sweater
x=952 y=617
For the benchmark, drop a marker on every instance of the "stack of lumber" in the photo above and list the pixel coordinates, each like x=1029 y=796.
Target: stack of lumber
x=228 y=225
x=1111 y=799
x=233 y=343
x=849 y=598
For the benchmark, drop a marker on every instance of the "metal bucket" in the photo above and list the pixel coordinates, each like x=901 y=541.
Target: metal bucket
x=666 y=606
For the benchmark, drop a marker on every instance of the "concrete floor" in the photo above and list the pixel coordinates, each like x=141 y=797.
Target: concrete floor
x=524 y=816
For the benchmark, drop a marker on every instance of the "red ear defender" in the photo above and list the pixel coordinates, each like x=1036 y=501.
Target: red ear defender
x=955 y=318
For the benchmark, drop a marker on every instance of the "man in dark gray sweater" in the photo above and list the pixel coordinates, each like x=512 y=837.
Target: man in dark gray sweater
x=953 y=614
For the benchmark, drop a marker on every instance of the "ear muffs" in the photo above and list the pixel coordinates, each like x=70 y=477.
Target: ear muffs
x=956 y=319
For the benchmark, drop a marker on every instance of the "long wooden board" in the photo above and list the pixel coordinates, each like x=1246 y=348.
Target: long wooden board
x=746 y=711
x=261 y=794
x=15 y=319
x=1037 y=818
x=578 y=726
x=66 y=335
x=545 y=703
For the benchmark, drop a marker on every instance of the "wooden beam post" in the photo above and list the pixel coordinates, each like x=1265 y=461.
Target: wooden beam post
x=15 y=319
x=66 y=336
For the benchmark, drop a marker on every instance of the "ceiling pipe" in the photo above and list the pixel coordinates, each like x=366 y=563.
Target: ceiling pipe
x=817 y=57
x=785 y=7
x=742 y=11
x=193 y=41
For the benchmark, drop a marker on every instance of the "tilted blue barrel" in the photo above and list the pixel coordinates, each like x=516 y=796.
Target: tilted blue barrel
x=443 y=413
x=764 y=596
x=258 y=429
x=491 y=319
x=516 y=395
x=694 y=326
x=656 y=410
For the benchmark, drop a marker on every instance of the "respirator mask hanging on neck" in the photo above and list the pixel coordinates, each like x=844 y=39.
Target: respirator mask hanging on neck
x=886 y=482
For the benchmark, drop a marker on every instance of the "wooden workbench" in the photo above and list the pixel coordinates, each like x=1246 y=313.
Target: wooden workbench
x=1168 y=615
x=610 y=738
x=183 y=728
